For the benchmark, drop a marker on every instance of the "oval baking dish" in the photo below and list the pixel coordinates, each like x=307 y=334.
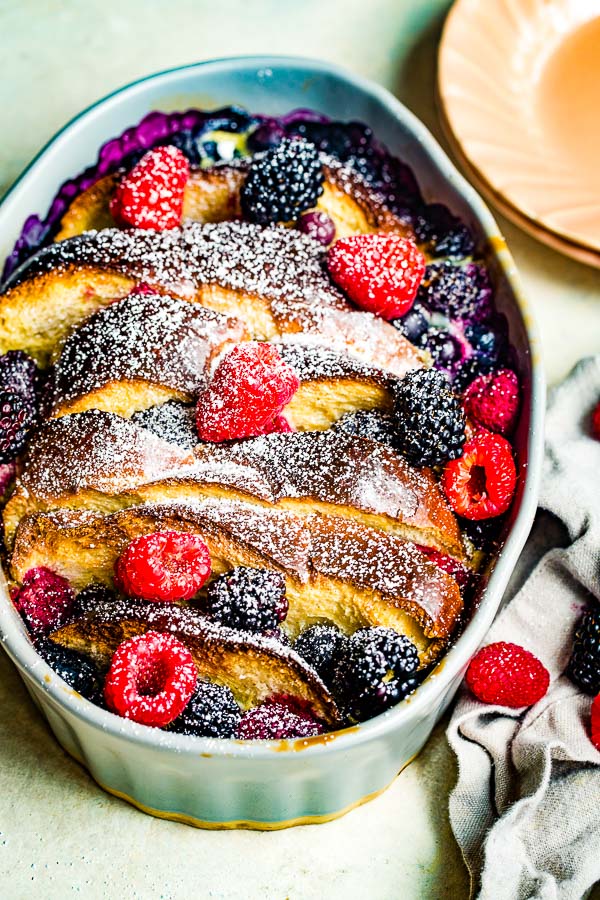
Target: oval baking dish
x=273 y=784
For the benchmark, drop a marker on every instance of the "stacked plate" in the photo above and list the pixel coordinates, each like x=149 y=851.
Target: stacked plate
x=519 y=84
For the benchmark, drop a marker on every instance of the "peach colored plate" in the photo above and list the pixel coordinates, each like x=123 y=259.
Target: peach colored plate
x=519 y=90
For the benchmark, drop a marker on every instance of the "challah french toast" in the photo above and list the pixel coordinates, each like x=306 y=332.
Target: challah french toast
x=336 y=571
x=97 y=460
x=234 y=438
x=253 y=667
x=213 y=195
x=122 y=359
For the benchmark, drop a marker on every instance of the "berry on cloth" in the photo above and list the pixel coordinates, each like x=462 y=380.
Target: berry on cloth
x=584 y=665
x=248 y=599
x=211 y=712
x=44 y=601
x=381 y=273
x=17 y=415
x=274 y=720
x=595 y=723
x=375 y=672
x=249 y=389
x=493 y=401
x=596 y=421
x=282 y=183
x=481 y=483
x=430 y=421
x=506 y=674
x=151 y=679
x=165 y=565
x=151 y=195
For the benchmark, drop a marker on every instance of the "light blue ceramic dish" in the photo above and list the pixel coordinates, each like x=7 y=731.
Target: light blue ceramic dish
x=277 y=783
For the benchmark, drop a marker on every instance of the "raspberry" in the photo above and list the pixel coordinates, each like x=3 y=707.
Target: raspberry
x=17 y=415
x=248 y=599
x=151 y=195
x=165 y=565
x=282 y=183
x=274 y=720
x=77 y=670
x=596 y=422
x=380 y=272
x=44 y=601
x=430 y=422
x=321 y=646
x=507 y=675
x=461 y=574
x=374 y=672
x=595 y=723
x=493 y=401
x=211 y=712
x=482 y=482
x=584 y=665
x=248 y=391
x=151 y=679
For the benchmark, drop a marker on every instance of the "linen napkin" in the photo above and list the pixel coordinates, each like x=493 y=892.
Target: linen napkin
x=526 y=807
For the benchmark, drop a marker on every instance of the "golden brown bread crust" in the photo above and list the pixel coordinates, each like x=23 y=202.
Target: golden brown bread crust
x=150 y=348
x=271 y=278
x=336 y=570
x=137 y=349
x=97 y=460
x=253 y=667
x=213 y=195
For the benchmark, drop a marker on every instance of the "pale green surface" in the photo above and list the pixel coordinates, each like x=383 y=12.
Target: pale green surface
x=59 y=834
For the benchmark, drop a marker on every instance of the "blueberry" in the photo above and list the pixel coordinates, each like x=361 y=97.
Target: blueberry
x=266 y=136
x=488 y=344
x=413 y=325
x=444 y=348
x=318 y=226
x=187 y=143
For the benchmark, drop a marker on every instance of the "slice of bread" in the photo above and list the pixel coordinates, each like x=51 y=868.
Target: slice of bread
x=273 y=279
x=96 y=460
x=213 y=195
x=253 y=667
x=336 y=570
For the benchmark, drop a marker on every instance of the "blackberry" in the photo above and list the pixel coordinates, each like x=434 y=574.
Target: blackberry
x=376 y=671
x=88 y=599
x=248 y=599
x=584 y=665
x=19 y=374
x=173 y=421
x=321 y=646
x=414 y=324
x=77 y=670
x=367 y=423
x=483 y=533
x=268 y=135
x=460 y=292
x=468 y=371
x=17 y=415
x=430 y=421
x=282 y=183
x=442 y=232
x=211 y=712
